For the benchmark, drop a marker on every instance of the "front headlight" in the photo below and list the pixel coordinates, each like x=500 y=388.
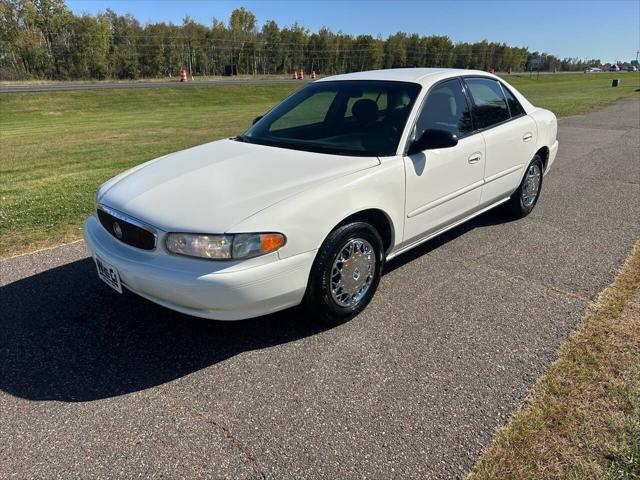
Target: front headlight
x=224 y=247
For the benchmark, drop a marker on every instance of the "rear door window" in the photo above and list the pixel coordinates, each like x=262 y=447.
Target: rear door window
x=514 y=104
x=490 y=106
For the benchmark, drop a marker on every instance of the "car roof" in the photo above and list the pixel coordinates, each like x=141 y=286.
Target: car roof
x=426 y=77
x=423 y=76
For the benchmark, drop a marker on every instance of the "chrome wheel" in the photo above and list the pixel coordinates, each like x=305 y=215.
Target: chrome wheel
x=352 y=272
x=531 y=185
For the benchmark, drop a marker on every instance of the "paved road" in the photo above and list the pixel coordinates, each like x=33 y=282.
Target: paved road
x=66 y=86
x=95 y=385
x=106 y=85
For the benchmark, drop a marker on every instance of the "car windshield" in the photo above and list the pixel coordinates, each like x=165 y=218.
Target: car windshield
x=348 y=117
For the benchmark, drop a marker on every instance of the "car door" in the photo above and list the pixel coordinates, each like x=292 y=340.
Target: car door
x=509 y=134
x=443 y=185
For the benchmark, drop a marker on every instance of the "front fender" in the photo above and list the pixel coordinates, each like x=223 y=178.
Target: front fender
x=308 y=217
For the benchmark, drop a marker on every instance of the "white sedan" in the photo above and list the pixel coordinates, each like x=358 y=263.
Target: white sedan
x=307 y=205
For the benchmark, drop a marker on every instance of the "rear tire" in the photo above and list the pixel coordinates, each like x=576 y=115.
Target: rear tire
x=525 y=198
x=345 y=273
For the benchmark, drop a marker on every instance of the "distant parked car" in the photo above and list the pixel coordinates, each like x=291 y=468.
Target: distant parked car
x=614 y=68
x=632 y=68
x=309 y=202
x=593 y=70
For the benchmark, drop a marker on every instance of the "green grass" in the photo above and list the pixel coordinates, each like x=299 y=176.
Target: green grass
x=583 y=419
x=58 y=147
x=573 y=94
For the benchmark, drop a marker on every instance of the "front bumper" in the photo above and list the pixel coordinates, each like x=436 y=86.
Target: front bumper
x=218 y=290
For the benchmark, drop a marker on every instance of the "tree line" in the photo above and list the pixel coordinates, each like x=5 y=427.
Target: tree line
x=43 y=39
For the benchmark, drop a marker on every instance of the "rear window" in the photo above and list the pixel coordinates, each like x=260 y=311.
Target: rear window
x=380 y=97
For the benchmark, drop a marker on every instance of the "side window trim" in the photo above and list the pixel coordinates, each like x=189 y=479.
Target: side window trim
x=470 y=105
x=505 y=100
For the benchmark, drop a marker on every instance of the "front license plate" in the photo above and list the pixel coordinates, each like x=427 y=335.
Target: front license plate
x=108 y=274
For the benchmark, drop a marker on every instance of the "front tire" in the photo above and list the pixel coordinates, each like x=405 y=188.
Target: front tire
x=525 y=198
x=345 y=273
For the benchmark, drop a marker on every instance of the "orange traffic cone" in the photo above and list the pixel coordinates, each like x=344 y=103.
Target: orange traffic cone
x=301 y=76
x=183 y=75
x=313 y=74
x=295 y=74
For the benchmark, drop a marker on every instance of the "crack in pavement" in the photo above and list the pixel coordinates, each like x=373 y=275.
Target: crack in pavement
x=553 y=288
x=252 y=461
x=507 y=274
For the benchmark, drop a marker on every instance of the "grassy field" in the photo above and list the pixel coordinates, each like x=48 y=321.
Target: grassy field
x=582 y=421
x=58 y=147
x=570 y=94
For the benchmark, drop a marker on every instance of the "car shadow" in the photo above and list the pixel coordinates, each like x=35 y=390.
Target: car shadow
x=492 y=217
x=65 y=336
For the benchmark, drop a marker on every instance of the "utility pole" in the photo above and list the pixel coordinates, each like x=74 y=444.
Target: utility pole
x=190 y=71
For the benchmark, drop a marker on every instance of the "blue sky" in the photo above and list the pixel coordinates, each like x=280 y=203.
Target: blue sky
x=609 y=30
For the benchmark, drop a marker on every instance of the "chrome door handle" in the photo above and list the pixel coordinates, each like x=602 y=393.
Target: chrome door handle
x=527 y=137
x=475 y=158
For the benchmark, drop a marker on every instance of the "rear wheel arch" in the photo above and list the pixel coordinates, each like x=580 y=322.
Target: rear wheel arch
x=543 y=153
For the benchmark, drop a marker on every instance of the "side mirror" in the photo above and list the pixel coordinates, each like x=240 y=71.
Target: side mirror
x=432 y=139
x=257 y=119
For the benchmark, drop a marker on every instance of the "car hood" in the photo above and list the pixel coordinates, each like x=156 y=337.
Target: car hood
x=212 y=187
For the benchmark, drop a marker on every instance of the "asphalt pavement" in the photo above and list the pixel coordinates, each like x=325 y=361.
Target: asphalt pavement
x=98 y=385
x=127 y=84
x=68 y=86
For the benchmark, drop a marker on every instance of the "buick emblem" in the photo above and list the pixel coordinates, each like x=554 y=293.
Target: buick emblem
x=117 y=229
